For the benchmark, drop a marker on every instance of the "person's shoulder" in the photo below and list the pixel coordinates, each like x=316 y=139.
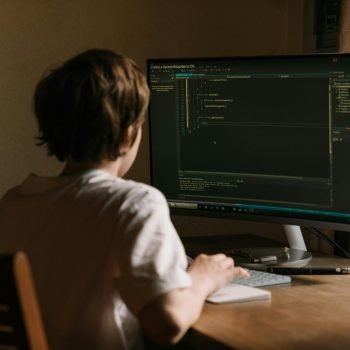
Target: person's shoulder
x=140 y=199
x=129 y=190
x=143 y=192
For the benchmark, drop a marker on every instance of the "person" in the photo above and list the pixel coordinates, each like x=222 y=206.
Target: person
x=107 y=262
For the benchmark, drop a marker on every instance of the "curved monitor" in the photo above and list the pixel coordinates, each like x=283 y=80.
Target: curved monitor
x=259 y=138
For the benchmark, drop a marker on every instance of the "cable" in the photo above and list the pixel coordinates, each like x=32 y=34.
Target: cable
x=320 y=234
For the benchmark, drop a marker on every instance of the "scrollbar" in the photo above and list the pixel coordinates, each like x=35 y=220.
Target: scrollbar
x=183 y=205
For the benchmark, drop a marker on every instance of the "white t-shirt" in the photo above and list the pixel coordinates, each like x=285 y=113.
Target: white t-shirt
x=100 y=248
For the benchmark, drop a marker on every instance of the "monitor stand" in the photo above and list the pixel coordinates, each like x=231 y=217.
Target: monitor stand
x=295 y=237
x=296 y=255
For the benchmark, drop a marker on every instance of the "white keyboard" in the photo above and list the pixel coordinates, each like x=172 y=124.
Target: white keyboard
x=262 y=279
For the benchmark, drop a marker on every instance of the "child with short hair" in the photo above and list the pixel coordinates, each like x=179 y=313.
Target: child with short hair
x=107 y=262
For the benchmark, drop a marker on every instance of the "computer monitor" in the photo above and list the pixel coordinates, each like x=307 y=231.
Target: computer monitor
x=257 y=138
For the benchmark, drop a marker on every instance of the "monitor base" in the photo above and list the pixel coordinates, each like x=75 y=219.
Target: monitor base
x=260 y=258
x=257 y=245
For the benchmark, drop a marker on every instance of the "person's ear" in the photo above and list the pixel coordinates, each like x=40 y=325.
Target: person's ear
x=127 y=139
x=128 y=136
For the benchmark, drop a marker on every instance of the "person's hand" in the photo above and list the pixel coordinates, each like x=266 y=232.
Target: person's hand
x=211 y=272
x=167 y=318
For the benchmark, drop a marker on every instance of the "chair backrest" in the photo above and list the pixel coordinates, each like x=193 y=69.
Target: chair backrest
x=21 y=327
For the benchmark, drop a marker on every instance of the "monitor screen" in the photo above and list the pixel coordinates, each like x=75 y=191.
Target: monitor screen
x=260 y=138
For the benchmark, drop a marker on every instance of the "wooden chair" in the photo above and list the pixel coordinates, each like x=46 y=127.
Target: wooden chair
x=21 y=326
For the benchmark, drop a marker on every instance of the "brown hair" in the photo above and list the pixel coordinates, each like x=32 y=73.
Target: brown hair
x=84 y=107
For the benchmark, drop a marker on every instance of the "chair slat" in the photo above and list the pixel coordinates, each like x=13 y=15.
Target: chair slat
x=17 y=299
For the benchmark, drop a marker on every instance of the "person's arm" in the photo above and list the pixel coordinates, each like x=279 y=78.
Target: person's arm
x=167 y=318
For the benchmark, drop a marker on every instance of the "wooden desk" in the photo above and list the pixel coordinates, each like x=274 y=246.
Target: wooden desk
x=313 y=312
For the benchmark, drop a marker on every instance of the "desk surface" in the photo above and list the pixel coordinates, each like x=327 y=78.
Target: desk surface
x=313 y=312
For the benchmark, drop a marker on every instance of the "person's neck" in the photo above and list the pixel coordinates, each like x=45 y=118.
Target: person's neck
x=73 y=167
